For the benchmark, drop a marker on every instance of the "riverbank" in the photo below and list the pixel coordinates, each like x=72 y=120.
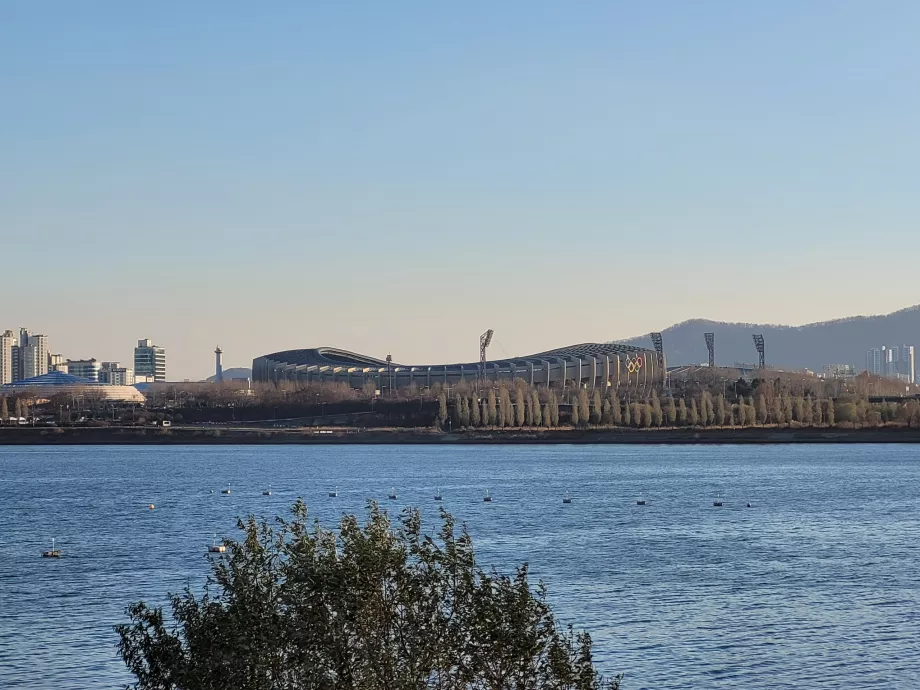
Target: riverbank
x=255 y=436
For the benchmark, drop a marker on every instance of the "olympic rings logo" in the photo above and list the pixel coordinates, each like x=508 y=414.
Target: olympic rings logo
x=633 y=365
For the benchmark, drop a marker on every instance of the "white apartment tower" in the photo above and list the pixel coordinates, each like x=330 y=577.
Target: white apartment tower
x=33 y=354
x=7 y=343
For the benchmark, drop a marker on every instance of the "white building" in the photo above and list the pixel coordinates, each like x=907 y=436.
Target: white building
x=839 y=371
x=33 y=354
x=84 y=368
x=150 y=360
x=57 y=363
x=7 y=343
x=115 y=375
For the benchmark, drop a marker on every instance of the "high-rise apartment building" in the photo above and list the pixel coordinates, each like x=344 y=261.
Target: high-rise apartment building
x=7 y=343
x=57 y=363
x=150 y=360
x=892 y=361
x=33 y=354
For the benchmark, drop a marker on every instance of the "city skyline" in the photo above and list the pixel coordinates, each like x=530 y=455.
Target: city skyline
x=254 y=177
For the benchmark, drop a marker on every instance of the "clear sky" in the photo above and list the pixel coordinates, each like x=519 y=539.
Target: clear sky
x=400 y=176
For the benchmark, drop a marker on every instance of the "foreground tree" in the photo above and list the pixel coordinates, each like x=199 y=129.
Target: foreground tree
x=366 y=607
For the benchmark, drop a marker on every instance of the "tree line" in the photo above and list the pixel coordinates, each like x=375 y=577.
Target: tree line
x=520 y=406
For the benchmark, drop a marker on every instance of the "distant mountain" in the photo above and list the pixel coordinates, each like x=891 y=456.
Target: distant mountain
x=234 y=373
x=843 y=341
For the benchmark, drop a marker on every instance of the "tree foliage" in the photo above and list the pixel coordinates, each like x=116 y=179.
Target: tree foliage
x=364 y=607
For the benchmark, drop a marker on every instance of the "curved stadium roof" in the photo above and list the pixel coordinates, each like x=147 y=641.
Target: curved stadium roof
x=587 y=363
x=334 y=357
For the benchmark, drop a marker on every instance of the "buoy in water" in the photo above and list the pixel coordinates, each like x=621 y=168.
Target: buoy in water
x=334 y=493
x=54 y=553
x=393 y=494
x=487 y=498
x=749 y=505
x=151 y=507
x=215 y=547
x=438 y=495
x=566 y=498
x=640 y=502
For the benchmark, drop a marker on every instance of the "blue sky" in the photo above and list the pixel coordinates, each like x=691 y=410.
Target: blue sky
x=398 y=177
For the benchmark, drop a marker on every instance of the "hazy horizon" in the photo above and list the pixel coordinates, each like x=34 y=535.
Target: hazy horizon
x=400 y=178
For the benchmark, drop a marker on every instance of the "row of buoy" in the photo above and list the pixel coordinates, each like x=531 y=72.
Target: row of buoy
x=487 y=498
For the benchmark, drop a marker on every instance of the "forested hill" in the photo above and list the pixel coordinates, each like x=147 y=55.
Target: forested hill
x=813 y=345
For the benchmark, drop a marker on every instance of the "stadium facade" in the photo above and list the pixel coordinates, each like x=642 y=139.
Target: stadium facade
x=588 y=365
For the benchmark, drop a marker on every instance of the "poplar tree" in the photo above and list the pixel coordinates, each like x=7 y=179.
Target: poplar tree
x=627 y=421
x=492 y=409
x=808 y=411
x=505 y=409
x=457 y=416
x=616 y=410
x=798 y=409
x=483 y=413
x=528 y=410
x=670 y=411
x=776 y=410
x=584 y=411
x=4 y=410
x=829 y=412
x=787 y=409
x=817 y=412
x=475 y=417
x=606 y=414
x=596 y=408
x=646 y=415
x=636 y=414
x=751 y=412
x=519 y=408
x=576 y=419
x=547 y=416
x=761 y=409
x=464 y=412
x=740 y=416
x=682 y=412
x=719 y=411
x=442 y=409
x=657 y=415
x=694 y=413
x=535 y=405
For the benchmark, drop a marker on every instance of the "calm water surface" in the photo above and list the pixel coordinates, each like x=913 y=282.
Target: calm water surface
x=815 y=586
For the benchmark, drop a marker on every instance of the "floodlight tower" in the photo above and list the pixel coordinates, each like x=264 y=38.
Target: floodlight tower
x=659 y=350
x=484 y=340
x=711 y=346
x=390 y=374
x=758 y=343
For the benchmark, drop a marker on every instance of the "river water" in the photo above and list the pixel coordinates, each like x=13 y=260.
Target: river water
x=813 y=586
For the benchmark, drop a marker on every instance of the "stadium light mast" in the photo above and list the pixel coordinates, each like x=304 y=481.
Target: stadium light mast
x=484 y=340
x=758 y=343
x=659 y=350
x=711 y=346
x=390 y=374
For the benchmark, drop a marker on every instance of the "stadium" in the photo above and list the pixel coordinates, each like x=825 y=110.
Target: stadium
x=586 y=365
